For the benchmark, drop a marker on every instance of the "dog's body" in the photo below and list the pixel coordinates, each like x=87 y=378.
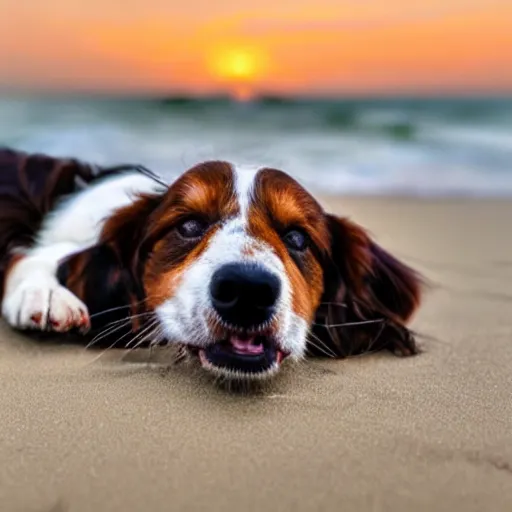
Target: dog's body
x=238 y=265
x=33 y=296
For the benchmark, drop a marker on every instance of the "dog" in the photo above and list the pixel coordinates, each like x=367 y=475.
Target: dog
x=240 y=267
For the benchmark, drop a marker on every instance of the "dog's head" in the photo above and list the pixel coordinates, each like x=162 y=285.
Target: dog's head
x=237 y=265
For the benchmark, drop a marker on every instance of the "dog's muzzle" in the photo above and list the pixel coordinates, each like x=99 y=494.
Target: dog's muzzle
x=244 y=297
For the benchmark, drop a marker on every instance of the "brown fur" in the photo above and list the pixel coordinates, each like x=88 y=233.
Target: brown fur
x=281 y=204
x=344 y=277
x=30 y=186
x=147 y=256
x=366 y=283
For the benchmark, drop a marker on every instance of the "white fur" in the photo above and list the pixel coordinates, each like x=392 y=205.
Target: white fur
x=33 y=298
x=32 y=290
x=188 y=309
x=244 y=186
x=80 y=218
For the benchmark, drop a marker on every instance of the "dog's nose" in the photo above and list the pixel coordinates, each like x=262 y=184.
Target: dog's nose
x=244 y=294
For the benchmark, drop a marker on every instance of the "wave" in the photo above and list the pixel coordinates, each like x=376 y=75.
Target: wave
x=344 y=146
x=400 y=118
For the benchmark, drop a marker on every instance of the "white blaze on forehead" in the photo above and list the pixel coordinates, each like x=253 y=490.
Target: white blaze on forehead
x=244 y=178
x=187 y=310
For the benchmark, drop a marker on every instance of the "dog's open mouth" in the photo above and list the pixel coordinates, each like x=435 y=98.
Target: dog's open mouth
x=243 y=355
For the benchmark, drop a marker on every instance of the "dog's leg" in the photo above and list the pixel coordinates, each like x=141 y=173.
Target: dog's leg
x=33 y=297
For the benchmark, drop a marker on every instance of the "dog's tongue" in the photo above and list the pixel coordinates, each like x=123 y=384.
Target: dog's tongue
x=247 y=346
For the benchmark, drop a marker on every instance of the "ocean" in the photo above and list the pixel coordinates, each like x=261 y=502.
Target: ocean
x=415 y=146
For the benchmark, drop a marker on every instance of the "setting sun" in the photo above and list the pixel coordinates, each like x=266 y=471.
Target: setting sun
x=237 y=64
x=238 y=67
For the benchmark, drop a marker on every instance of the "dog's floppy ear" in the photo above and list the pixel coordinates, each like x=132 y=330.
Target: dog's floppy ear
x=106 y=276
x=370 y=291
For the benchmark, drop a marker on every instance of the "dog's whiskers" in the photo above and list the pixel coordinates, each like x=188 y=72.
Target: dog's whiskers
x=154 y=331
x=102 y=353
x=350 y=324
x=131 y=317
x=340 y=304
x=141 y=333
x=376 y=337
x=324 y=348
x=152 y=334
x=106 y=332
x=115 y=326
x=105 y=311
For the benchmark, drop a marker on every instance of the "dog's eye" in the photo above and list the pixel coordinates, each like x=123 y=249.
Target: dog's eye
x=192 y=228
x=296 y=239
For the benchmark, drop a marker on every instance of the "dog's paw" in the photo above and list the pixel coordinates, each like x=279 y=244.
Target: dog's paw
x=45 y=306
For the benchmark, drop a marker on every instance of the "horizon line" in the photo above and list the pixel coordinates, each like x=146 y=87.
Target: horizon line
x=257 y=96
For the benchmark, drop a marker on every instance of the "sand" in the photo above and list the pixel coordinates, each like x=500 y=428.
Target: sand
x=432 y=432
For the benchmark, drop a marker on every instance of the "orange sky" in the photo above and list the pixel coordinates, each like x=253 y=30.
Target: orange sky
x=309 y=46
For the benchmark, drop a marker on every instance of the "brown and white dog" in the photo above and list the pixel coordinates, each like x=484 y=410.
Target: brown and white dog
x=241 y=266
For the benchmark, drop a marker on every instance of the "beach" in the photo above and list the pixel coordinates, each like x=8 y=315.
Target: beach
x=90 y=431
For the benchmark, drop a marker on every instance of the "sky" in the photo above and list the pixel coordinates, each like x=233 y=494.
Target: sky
x=320 y=47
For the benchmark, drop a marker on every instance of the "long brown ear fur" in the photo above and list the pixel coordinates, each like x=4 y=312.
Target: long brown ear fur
x=106 y=276
x=369 y=295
